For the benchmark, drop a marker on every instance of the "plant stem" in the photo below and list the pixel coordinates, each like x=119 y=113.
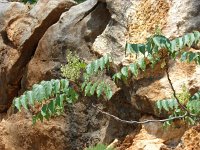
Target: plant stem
x=137 y=122
x=172 y=87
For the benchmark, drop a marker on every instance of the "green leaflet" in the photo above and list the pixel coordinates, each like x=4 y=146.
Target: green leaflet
x=173 y=47
x=197 y=36
x=64 y=85
x=167 y=104
x=149 y=47
x=87 y=88
x=184 y=56
x=142 y=48
x=124 y=71
x=186 y=39
x=102 y=63
x=142 y=64
x=192 y=56
x=159 y=105
x=108 y=92
x=30 y=98
x=194 y=106
x=132 y=48
x=100 y=89
x=83 y=85
x=117 y=76
x=56 y=86
x=134 y=69
x=93 y=88
x=17 y=103
x=37 y=94
x=89 y=68
x=51 y=106
x=196 y=96
x=98 y=64
x=24 y=101
x=180 y=43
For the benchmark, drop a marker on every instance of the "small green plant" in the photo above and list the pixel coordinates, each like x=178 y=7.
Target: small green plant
x=96 y=68
x=181 y=106
x=184 y=95
x=46 y=99
x=72 y=70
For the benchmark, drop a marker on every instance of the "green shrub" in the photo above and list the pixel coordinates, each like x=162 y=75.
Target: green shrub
x=72 y=70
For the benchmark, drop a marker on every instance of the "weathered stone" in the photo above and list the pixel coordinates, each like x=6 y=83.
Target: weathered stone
x=113 y=39
x=151 y=85
x=146 y=92
x=76 y=30
x=8 y=52
x=183 y=17
x=24 y=32
x=190 y=140
x=153 y=136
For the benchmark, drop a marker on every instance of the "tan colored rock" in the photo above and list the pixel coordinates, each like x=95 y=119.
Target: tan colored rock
x=153 y=88
x=141 y=18
x=39 y=18
x=190 y=140
x=21 y=35
x=66 y=132
x=153 y=136
x=8 y=53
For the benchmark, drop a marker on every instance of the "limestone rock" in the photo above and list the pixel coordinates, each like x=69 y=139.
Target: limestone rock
x=76 y=30
x=151 y=89
x=152 y=136
x=113 y=39
x=152 y=85
x=23 y=32
x=8 y=53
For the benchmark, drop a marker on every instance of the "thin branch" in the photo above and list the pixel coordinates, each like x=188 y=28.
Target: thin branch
x=137 y=122
x=174 y=92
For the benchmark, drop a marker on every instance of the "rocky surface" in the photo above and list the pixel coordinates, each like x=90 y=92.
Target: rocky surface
x=152 y=136
x=8 y=52
x=33 y=45
x=81 y=125
x=23 y=32
x=190 y=139
x=76 y=30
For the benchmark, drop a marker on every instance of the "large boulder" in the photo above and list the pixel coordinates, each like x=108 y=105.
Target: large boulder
x=8 y=52
x=76 y=30
x=23 y=32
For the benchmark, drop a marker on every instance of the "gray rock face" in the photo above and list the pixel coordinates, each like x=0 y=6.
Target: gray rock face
x=113 y=39
x=183 y=17
x=76 y=30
